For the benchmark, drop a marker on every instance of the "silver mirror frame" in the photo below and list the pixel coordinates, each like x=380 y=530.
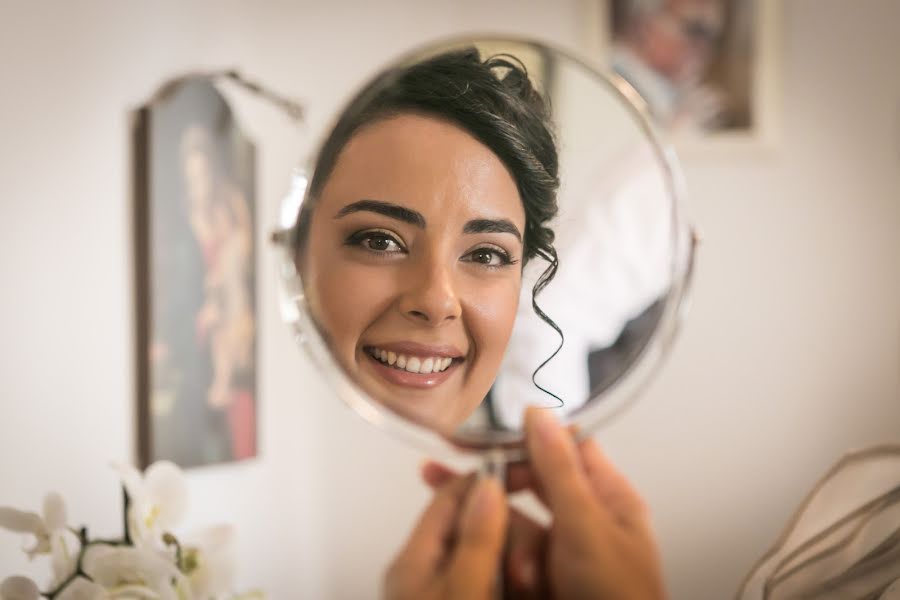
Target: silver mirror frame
x=499 y=445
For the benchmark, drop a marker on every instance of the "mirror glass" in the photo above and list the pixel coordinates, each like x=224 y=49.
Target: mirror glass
x=489 y=224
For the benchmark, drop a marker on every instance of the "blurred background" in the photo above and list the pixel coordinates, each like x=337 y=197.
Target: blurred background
x=790 y=356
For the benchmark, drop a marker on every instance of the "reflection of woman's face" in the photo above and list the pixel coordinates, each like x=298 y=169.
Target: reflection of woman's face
x=413 y=265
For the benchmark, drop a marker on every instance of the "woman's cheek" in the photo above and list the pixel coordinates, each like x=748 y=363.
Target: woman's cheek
x=492 y=315
x=356 y=295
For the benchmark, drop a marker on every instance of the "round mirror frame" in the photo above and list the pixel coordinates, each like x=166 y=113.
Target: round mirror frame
x=500 y=445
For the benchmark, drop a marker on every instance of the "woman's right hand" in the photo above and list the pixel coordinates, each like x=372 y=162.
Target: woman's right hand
x=455 y=549
x=599 y=544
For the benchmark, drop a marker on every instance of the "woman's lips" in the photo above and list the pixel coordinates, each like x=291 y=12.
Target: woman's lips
x=400 y=363
x=416 y=349
x=405 y=378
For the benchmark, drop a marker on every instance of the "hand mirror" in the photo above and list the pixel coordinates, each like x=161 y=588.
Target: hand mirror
x=489 y=224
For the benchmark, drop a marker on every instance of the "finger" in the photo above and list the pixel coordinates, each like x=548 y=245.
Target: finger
x=426 y=546
x=614 y=492
x=525 y=547
x=557 y=465
x=437 y=475
x=472 y=572
x=519 y=477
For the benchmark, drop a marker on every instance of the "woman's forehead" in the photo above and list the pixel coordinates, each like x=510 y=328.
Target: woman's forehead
x=426 y=164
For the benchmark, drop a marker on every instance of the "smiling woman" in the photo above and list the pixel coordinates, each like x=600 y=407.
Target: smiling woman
x=426 y=201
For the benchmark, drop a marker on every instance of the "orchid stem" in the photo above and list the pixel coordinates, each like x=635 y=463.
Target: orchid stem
x=82 y=534
x=126 y=502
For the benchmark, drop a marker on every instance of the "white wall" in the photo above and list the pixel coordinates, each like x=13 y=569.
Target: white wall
x=790 y=356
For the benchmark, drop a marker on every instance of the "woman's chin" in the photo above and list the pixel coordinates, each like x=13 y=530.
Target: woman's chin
x=421 y=397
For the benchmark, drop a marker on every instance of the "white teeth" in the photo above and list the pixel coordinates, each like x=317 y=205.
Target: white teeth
x=413 y=364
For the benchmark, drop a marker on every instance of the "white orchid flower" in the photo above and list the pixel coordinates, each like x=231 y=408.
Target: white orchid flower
x=155 y=567
x=129 y=572
x=251 y=595
x=51 y=535
x=159 y=500
x=19 y=588
x=41 y=527
x=210 y=562
x=82 y=589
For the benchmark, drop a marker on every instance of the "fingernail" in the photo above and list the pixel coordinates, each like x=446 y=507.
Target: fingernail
x=434 y=474
x=545 y=425
x=482 y=498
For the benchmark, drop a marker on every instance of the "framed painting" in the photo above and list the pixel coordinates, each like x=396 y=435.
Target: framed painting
x=707 y=69
x=194 y=184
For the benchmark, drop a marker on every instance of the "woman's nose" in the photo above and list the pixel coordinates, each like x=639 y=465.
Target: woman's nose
x=431 y=297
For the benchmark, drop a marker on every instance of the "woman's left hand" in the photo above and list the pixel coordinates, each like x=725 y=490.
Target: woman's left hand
x=455 y=549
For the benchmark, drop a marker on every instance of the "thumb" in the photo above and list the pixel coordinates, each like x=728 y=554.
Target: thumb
x=474 y=567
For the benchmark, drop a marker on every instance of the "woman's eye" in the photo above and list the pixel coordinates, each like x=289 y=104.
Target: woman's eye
x=375 y=242
x=382 y=243
x=489 y=257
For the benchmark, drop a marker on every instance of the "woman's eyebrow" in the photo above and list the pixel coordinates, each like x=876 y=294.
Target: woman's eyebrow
x=492 y=226
x=394 y=211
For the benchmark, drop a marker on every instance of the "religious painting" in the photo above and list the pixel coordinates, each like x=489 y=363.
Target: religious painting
x=196 y=281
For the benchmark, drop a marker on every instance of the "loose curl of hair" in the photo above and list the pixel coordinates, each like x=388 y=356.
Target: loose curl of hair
x=494 y=101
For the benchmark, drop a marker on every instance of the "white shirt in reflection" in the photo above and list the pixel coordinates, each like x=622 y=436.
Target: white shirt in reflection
x=614 y=240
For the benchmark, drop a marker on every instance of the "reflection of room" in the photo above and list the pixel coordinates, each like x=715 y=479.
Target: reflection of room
x=788 y=358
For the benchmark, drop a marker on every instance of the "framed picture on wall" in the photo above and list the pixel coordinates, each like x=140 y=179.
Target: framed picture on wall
x=196 y=283
x=707 y=69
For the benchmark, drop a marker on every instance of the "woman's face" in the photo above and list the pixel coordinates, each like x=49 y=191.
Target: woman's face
x=413 y=265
